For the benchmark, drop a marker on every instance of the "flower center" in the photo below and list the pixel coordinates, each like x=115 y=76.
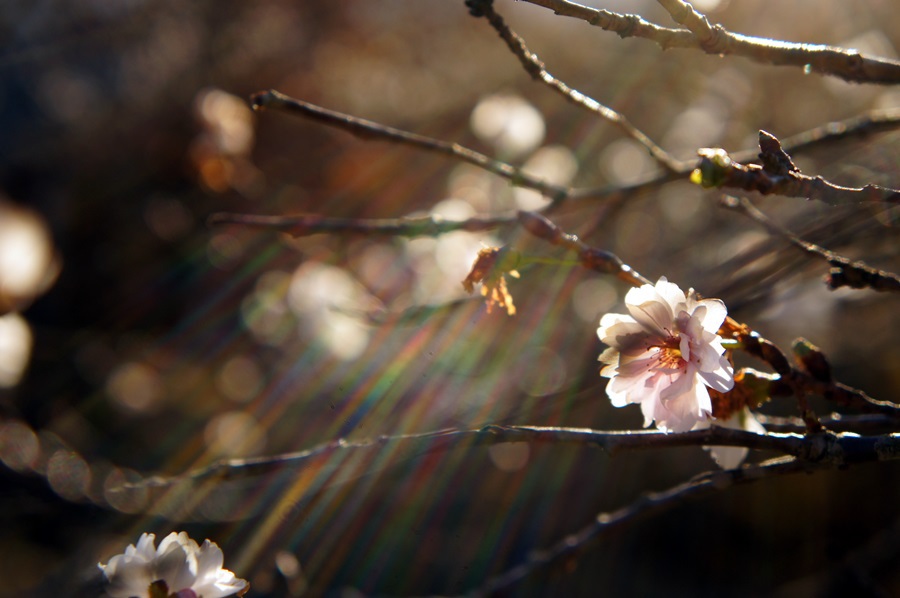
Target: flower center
x=670 y=353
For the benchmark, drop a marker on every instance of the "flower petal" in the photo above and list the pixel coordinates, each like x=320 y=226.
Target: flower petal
x=715 y=314
x=654 y=316
x=721 y=378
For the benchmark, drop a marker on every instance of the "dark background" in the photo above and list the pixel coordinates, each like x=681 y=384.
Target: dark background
x=165 y=344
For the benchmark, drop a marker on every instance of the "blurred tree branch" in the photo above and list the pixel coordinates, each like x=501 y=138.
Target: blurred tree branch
x=844 y=272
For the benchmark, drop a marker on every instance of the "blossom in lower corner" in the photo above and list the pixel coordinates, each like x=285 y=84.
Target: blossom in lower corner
x=665 y=354
x=179 y=567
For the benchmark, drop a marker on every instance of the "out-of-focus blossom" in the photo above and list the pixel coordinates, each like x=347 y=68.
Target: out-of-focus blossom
x=665 y=354
x=489 y=269
x=28 y=264
x=179 y=567
x=729 y=457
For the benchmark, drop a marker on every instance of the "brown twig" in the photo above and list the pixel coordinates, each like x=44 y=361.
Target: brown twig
x=366 y=129
x=824 y=449
x=534 y=67
x=591 y=258
x=860 y=126
x=836 y=422
x=777 y=177
x=311 y=224
x=844 y=272
x=802 y=383
x=646 y=505
x=846 y=64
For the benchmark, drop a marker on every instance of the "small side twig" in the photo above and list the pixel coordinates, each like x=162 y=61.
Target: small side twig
x=844 y=272
x=802 y=383
x=860 y=126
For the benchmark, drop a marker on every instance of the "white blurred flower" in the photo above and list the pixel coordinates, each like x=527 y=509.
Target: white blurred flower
x=179 y=563
x=665 y=354
x=729 y=457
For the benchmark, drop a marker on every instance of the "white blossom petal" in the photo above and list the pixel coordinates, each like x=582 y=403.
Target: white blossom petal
x=715 y=314
x=721 y=378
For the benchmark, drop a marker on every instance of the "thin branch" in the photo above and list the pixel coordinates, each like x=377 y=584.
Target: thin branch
x=310 y=224
x=844 y=272
x=826 y=448
x=366 y=129
x=846 y=64
x=835 y=422
x=860 y=126
x=811 y=381
x=534 y=67
x=646 y=505
x=591 y=258
x=779 y=176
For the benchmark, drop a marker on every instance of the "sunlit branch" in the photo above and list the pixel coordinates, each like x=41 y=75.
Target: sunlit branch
x=846 y=64
x=779 y=176
x=860 y=126
x=812 y=381
x=591 y=258
x=844 y=272
x=835 y=422
x=826 y=448
x=366 y=129
x=647 y=504
x=534 y=67
x=311 y=224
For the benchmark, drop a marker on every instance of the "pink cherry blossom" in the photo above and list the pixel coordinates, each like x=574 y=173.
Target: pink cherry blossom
x=665 y=354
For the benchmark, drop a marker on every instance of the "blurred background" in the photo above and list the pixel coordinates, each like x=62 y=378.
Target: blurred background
x=135 y=340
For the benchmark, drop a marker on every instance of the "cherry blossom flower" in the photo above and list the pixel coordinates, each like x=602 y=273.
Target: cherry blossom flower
x=665 y=354
x=179 y=567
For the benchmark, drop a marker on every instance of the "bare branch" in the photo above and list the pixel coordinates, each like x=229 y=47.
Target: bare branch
x=777 y=177
x=826 y=448
x=311 y=224
x=591 y=258
x=835 y=422
x=645 y=505
x=366 y=129
x=534 y=67
x=844 y=272
x=860 y=126
x=803 y=382
x=849 y=65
